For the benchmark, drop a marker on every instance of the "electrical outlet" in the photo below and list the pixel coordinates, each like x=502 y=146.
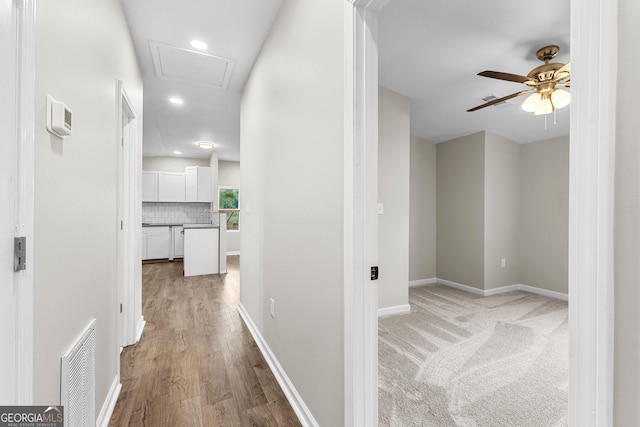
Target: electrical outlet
x=272 y=307
x=504 y=262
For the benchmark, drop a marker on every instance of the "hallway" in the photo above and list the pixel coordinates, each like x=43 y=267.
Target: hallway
x=196 y=364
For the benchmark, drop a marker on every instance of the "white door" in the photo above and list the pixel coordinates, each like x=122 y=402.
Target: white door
x=128 y=239
x=8 y=202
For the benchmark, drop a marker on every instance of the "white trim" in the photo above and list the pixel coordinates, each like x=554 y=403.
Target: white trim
x=543 y=292
x=300 y=408
x=109 y=403
x=360 y=217
x=594 y=50
x=396 y=309
x=140 y=328
x=230 y=253
x=504 y=289
x=421 y=282
x=460 y=286
x=26 y=22
x=128 y=240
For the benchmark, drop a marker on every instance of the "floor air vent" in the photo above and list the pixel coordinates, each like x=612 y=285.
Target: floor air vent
x=78 y=382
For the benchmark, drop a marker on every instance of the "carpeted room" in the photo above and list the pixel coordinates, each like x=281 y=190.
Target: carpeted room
x=473 y=277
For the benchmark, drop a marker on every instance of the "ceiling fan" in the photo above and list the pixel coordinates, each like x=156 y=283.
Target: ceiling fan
x=544 y=84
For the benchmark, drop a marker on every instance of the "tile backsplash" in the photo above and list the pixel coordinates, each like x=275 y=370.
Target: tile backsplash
x=177 y=213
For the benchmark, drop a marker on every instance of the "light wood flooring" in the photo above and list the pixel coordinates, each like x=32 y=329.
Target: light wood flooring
x=196 y=364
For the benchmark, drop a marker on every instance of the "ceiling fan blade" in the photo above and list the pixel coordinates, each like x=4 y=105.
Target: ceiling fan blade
x=565 y=84
x=566 y=68
x=563 y=72
x=507 y=76
x=499 y=100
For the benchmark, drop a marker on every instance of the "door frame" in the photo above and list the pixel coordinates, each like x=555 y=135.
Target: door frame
x=128 y=303
x=25 y=108
x=360 y=212
x=594 y=60
x=591 y=220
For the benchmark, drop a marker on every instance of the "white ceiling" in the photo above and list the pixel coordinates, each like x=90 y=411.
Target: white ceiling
x=429 y=51
x=432 y=50
x=208 y=84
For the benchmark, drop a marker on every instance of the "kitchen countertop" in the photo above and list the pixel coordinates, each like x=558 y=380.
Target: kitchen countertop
x=192 y=226
x=181 y=225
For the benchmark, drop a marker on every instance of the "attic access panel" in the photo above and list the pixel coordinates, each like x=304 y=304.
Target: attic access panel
x=196 y=67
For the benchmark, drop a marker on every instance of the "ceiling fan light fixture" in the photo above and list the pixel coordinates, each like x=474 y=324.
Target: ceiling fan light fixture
x=560 y=98
x=544 y=107
x=530 y=104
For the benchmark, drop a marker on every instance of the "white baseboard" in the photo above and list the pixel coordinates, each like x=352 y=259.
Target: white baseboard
x=503 y=289
x=421 y=282
x=462 y=287
x=229 y=253
x=140 y=328
x=544 y=292
x=396 y=309
x=300 y=408
x=109 y=403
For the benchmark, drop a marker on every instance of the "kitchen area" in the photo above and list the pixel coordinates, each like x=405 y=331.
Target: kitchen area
x=181 y=222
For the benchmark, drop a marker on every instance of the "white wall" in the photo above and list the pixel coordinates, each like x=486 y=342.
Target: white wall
x=393 y=193
x=229 y=176
x=497 y=199
x=422 y=210
x=81 y=49
x=460 y=210
x=544 y=215
x=292 y=199
x=213 y=164
x=501 y=211
x=171 y=164
x=627 y=220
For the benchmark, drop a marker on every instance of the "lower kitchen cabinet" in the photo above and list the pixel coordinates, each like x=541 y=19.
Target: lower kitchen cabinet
x=156 y=242
x=178 y=242
x=201 y=249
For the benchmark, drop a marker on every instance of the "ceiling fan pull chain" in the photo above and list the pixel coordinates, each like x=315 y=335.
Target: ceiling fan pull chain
x=555 y=116
x=545 y=121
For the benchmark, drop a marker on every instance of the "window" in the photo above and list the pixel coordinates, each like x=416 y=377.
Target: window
x=228 y=200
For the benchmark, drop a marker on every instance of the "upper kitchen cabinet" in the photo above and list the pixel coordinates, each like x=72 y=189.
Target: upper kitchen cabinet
x=198 y=184
x=149 y=186
x=171 y=187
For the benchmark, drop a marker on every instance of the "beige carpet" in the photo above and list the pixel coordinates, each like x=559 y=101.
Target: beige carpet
x=458 y=359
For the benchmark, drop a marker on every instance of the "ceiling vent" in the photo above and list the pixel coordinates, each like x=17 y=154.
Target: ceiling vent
x=196 y=67
x=490 y=98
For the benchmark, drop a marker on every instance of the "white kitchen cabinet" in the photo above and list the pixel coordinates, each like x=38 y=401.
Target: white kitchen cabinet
x=198 y=184
x=178 y=242
x=201 y=250
x=171 y=187
x=157 y=242
x=149 y=186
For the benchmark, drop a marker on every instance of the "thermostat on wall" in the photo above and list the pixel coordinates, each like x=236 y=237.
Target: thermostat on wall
x=58 y=118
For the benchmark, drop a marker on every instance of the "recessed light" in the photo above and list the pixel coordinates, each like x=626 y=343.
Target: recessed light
x=177 y=152
x=176 y=101
x=205 y=145
x=198 y=44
